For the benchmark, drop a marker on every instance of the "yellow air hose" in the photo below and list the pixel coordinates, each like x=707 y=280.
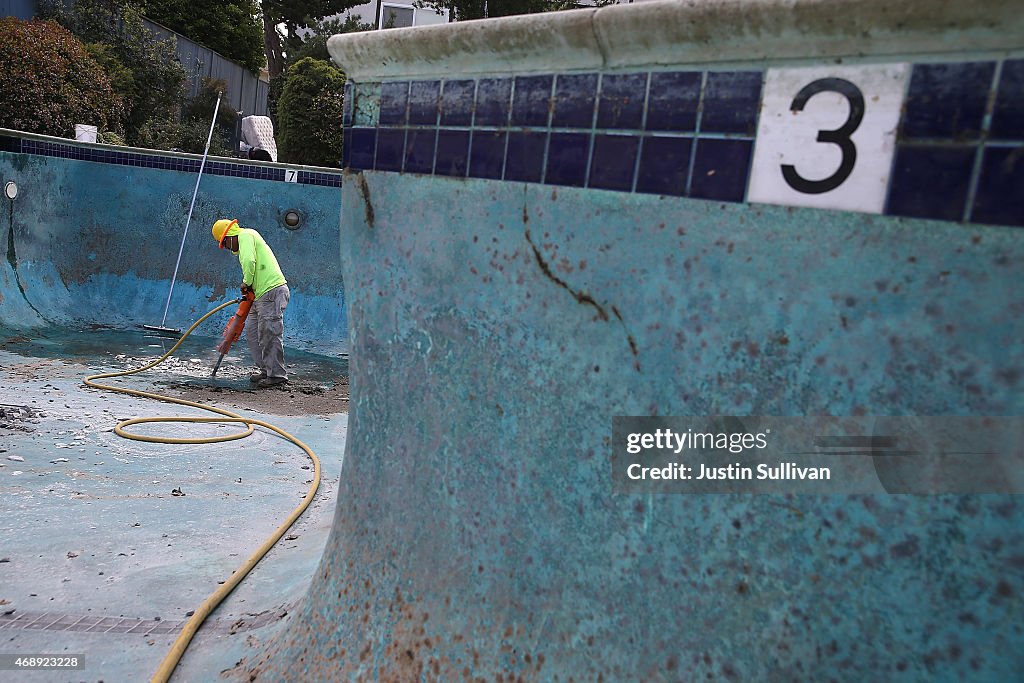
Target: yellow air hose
x=196 y=620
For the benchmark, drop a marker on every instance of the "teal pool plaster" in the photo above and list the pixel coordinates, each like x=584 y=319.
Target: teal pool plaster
x=496 y=327
x=477 y=534
x=89 y=243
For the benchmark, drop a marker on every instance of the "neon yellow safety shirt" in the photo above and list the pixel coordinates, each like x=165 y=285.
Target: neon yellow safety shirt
x=259 y=265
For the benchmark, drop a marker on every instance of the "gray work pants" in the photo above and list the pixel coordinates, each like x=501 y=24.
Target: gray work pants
x=264 y=330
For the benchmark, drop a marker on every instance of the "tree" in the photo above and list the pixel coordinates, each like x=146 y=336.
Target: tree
x=230 y=27
x=49 y=82
x=153 y=91
x=315 y=44
x=290 y=16
x=462 y=10
x=309 y=112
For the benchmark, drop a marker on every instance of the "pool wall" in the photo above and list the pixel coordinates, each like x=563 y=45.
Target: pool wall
x=94 y=233
x=550 y=220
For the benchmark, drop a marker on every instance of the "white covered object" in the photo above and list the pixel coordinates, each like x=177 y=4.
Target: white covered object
x=86 y=133
x=258 y=133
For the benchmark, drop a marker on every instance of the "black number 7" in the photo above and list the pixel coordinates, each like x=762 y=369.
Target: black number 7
x=840 y=136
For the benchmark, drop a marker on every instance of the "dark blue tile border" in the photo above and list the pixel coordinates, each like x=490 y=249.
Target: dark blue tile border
x=673 y=101
x=524 y=160
x=720 y=169
x=731 y=102
x=1008 y=116
x=487 y=158
x=457 y=103
x=621 y=104
x=947 y=101
x=346 y=107
x=394 y=103
x=613 y=162
x=390 y=149
x=10 y=144
x=346 y=147
x=568 y=155
x=573 y=106
x=691 y=133
x=453 y=153
x=419 y=151
x=423 y=102
x=493 y=102
x=355 y=138
x=929 y=181
x=1000 y=198
x=531 y=102
x=664 y=165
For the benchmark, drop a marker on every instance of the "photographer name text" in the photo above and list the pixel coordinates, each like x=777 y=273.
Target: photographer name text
x=734 y=443
x=783 y=471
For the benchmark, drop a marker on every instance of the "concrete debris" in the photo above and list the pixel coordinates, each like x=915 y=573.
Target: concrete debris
x=232 y=368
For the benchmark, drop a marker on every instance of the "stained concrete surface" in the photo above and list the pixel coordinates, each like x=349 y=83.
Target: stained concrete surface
x=101 y=554
x=478 y=533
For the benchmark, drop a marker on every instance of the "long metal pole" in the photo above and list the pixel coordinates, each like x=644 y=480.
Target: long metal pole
x=195 y=193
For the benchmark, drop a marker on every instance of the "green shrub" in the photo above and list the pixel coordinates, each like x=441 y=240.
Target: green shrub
x=202 y=105
x=192 y=138
x=122 y=80
x=273 y=95
x=49 y=82
x=308 y=128
x=153 y=90
x=109 y=137
x=187 y=136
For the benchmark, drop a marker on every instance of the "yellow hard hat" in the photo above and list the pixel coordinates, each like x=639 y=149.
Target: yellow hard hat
x=220 y=230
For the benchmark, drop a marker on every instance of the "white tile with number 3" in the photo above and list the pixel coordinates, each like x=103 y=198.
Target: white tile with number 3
x=826 y=136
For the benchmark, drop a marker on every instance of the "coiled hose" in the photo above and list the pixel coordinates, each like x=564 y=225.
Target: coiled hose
x=191 y=626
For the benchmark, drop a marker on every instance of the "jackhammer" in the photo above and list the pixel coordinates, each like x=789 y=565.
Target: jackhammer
x=233 y=330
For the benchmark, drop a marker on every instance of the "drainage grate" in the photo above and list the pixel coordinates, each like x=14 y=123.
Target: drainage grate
x=50 y=621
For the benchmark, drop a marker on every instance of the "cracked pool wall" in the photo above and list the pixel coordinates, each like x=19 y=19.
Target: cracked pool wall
x=96 y=232
x=477 y=535
x=476 y=529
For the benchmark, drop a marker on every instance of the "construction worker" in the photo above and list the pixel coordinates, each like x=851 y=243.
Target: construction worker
x=264 y=329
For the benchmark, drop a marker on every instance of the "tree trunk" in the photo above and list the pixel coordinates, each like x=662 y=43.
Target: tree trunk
x=272 y=42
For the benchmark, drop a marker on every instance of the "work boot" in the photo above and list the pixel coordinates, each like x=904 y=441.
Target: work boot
x=255 y=379
x=271 y=382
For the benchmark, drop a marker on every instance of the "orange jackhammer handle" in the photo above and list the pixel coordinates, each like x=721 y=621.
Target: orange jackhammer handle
x=233 y=330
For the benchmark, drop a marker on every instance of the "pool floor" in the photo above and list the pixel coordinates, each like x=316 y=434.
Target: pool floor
x=108 y=544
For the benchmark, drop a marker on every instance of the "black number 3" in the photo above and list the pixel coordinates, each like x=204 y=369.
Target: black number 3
x=840 y=136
